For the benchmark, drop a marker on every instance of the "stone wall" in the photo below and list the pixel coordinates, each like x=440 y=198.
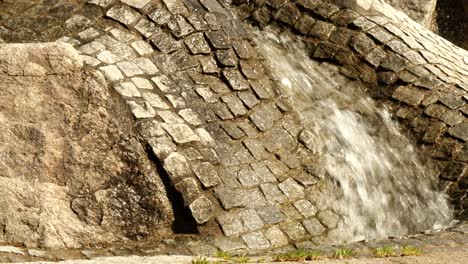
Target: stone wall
x=230 y=143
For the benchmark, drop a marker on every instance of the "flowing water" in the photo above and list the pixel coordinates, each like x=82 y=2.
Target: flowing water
x=383 y=188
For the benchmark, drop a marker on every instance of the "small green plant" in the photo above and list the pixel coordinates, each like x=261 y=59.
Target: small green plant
x=200 y=260
x=261 y=260
x=384 y=252
x=298 y=255
x=411 y=251
x=243 y=259
x=223 y=255
x=344 y=253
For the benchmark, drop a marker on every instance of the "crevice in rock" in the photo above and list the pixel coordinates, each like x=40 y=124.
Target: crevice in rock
x=184 y=223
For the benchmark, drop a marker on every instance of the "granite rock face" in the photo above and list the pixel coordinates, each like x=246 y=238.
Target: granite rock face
x=72 y=172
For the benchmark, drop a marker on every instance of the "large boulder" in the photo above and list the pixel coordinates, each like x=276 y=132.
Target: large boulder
x=72 y=170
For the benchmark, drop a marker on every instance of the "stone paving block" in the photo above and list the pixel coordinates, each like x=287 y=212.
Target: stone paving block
x=175 y=6
x=306 y=208
x=256 y=149
x=375 y=56
x=154 y=100
x=262 y=88
x=394 y=62
x=460 y=131
x=176 y=101
x=197 y=44
x=328 y=218
x=129 y=68
x=123 y=14
x=452 y=102
x=363 y=23
x=160 y=16
x=256 y=240
x=165 y=84
x=294 y=230
x=262 y=172
x=138 y=4
x=89 y=34
x=288 y=14
x=127 y=89
x=452 y=118
x=235 y=79
x=251 y=220
x=146 y=27
x=233 y=130
x=146 y=65
x=313 y=226
x=218 y=39
x=141 y=110
x=142 y=47
x=344 y=17
x=234 y=104
x=252 y=69
x=409 y=95
x=88 y=60
x=170 y=117
x=189 y=189
x=247 y=177
x=291 y=189
x=272 y=193
x=434 y=132
x=179 y=26
x=208 y=64
x=92 y=47
x=181 y=133
x=226 y=57
x=207 y=174
x=435 y=110
x=112 y=73
x=202 y=209
x=276 y=236
x=231 y=224
x=190 y=117
x=321 y=30
x=362 y=44
x=228 y=244
x=229 y=197
x=197 y=21
x=177 y=167
x=265 y=115
x=164 y=42
x=205 y=137
x=192 y=154
x=162 y=146
x=271 y=214
x=277 y=167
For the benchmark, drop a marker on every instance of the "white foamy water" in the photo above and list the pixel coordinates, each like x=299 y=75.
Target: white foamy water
x=383 y=188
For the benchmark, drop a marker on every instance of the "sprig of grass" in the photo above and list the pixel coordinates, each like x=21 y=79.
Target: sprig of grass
x=344 y=253
x=200 y=260
x=411 y=251
x=243 y=259
x=384 y=252
x=298 y=255
x=223 y=255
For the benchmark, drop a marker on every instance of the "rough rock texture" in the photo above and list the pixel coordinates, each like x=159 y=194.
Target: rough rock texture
x=421 y=11
x=72 y=172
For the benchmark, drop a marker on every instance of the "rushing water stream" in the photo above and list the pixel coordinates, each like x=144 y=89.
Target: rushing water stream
x=384 y=188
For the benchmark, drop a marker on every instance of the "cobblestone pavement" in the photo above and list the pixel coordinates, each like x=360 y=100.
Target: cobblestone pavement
x=228 y=140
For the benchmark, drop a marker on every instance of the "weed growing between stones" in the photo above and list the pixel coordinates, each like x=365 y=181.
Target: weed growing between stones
x=223 y=255
x=411 y=251
x=201 y=260
x=344 y=253
x=298 y=255
x=384 y=252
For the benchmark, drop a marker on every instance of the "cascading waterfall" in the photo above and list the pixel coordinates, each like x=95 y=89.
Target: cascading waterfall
x=384 y=189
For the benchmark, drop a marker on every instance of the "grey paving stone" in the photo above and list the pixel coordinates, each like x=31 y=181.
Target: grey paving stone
x=127 y=89
x=197 y=21
x=170 y=117
x=146 y=27
x=231 y=224
x=197 y=44
x=177 y=167
x=146 y=65
x=305 y=23
x=288 y=14
x=138 y=4
x=202 y=209
x=142 y=47
x=144 y=110
x=256 y=240
x=328 y=218
x=228 y=244
x=189 y=189
x=129 y=68
x=112 y=73
x=107 y=57
x=229 y=197
x=265 y=115
x=256 y=149
x=123 y=14
x=321 y=30
x=179 y=26
x=208 y=64
x=205 y=137
x=160 y=16
x=452 y=118
x=313 y=226
x=394 y=62
x=292 y=189
x=460 y=131
x=165 y=84
x=362 y=44
x=306 y=208
x=277 y=167
x=272 y=193
x=251 y=220
x=233 y=130
x=154 y=100
x=226 y=57
x=164 y=42
x=207 y=174
x=218 y=39
x=247 y=177
x=294 y=230
x=181 y=133
x=262 y=88
x=271 y=214
x=235 y=79
x=262 y=172
x=276 y=237
x=190 y=117
x=409 y=95
x=234 y=104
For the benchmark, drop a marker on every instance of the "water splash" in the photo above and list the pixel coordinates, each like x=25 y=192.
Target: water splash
x=384 y=189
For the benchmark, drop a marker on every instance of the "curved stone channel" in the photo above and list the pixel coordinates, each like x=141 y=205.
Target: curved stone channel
x=224 y=144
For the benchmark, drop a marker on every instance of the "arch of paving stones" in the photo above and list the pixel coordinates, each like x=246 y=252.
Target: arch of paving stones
x=230 y=143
